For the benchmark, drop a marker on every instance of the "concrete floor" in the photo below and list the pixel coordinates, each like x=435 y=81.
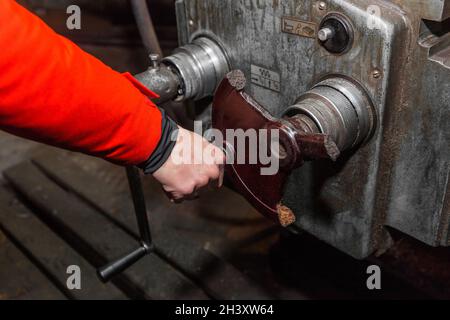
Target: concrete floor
x=14 y=150
x=222 y=223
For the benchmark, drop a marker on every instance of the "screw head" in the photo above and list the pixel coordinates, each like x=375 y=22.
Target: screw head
x=322 y=5
x=376 y=74
x=154 y=58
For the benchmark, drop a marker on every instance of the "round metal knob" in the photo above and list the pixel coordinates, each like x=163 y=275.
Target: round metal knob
x=325 y=34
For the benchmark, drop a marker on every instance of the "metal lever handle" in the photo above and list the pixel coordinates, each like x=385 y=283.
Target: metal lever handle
x=107 y=272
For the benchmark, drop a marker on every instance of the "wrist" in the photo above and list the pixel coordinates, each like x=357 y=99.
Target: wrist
x=167 y=142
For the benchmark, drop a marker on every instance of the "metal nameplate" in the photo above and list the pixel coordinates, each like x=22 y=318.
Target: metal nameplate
x=266 y=78
x=299 y=27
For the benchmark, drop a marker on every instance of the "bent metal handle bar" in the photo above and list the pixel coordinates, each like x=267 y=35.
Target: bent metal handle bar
x=107 y=272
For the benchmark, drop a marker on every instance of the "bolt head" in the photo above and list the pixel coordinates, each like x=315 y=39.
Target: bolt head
x=376 y=74
x=154 y=58
x=322 y=5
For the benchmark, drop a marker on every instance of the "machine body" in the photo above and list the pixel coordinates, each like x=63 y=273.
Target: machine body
x=371 y=74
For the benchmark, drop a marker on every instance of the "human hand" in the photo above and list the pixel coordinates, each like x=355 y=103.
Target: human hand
x=193 y=164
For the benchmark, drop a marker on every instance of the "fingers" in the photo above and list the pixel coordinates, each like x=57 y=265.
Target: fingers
x=216 y=174
x=217 y=169
x=182 y=181
x=220 y=161
x=221 y=175
x=202 y=177
x=220 y=156
x=189 y=190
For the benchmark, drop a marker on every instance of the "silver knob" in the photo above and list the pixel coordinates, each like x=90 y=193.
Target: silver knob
x=325 y=34
x=154 y=59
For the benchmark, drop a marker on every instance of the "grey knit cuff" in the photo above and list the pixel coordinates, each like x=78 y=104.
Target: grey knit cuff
x=169 y=134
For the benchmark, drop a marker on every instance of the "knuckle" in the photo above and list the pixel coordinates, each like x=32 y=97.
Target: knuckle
x=177 y=197
x=214 y=172
x=202 y=181
x=188 y=189
x=220 y=158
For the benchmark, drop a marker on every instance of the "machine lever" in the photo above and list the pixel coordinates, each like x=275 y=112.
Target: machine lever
x=299 y=140
x=107 y=272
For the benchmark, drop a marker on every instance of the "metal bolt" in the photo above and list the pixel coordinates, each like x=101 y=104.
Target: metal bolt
x=154 y=58
x=191 y=23
x=325 y=33
x=376 y=74
x=282 y=154
x=322 y=5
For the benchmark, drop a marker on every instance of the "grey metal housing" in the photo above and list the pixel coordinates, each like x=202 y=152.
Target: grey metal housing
x=399 y=178
x=201 y=64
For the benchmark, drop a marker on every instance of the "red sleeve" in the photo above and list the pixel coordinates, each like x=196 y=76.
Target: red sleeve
x=53 y=92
